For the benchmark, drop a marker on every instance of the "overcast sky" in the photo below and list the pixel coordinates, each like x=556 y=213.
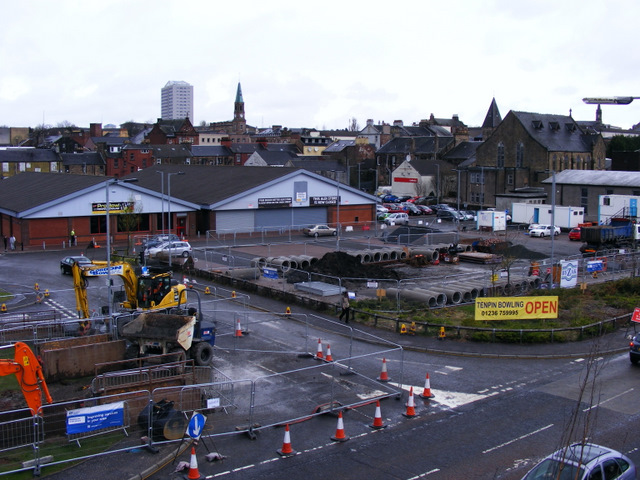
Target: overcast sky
x=316 y=64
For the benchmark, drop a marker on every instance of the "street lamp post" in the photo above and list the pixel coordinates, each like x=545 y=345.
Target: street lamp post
x=553 y=220
x=458 y=170
x=162 y=197
x=338 y=215
x=109 y=290
x=169 y=206
x=437 y=183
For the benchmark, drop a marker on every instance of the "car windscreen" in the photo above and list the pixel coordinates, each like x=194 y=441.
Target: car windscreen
x=551 y=468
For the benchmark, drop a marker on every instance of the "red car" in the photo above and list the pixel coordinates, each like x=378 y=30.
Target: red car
x=574 y=234
x=394 y=208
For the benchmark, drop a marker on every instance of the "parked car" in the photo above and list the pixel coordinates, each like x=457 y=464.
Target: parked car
x=175 y=249
x=467 y=215
x=425 y=210
x=450 y=215
x=394 y=208
x=381 y=209
x=66 y=264
x=584 y=462
x=389 y=198
x=319 y=231
x=411 y=208
x=441 y=206
x=544 y=231
x=634 y=349
x=574 y=234
x=397 y=219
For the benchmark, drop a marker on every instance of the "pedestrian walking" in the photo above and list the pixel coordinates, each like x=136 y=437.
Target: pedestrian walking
x=4 y=238
x=345 y=307
x=12 y=242
x=72 y=238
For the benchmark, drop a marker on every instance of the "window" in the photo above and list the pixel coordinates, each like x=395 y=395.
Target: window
x=510 y=179
x=519 y=155
x=500 y=158
x=98 y=224
x=584 y=198
x=115 y=163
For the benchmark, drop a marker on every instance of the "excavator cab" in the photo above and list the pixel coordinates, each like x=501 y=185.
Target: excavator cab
x=152 y=290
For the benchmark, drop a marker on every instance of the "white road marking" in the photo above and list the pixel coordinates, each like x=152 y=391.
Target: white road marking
x=607 y=400
x=422 y=475
x=522 y=437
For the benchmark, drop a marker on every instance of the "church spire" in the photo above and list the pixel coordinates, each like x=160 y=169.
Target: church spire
x=239 y=94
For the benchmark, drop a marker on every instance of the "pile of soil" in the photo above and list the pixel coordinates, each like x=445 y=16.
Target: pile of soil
x=340 y=264
x=520 y=251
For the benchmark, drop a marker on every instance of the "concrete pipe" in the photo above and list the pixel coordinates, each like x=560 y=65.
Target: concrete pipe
x=366 y=256
x=304 y=261
x=393 y=254
x=474 y=290
x=413 y=296
x=314 y=260
x=402 y=255
x=426 y=252
x=453 y=296
x=282 y=263
x=464 y=291
x=357 y=254
x=441 y=298
x=384 y=255
x=243 y=273
x=268 y=262
x=293 y=262
x=535 y=281
x=376 y=255
x=258 y=262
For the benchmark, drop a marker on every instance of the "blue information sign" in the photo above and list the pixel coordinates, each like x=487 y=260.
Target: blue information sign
x=196 y=425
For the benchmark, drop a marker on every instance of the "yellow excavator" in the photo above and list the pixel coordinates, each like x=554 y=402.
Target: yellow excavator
x=144 y=291
x=28 y=371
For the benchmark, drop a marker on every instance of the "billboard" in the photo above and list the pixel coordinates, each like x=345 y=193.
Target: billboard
x=516 y=308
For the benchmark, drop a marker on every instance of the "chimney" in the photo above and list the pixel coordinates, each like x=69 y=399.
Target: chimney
x=370 y=122
x=397 y=123
x=95 y=129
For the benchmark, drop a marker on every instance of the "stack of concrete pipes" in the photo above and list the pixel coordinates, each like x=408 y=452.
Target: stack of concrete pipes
x=453 y=293
x=285 y=263
x=380 y=255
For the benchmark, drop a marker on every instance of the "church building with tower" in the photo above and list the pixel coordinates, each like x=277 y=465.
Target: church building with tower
x=236 y=129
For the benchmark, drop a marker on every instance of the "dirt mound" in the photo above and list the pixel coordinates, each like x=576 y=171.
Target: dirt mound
x=340 y=264
x=520 y=251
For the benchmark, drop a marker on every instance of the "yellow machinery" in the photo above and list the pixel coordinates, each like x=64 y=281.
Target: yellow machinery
x=144 y=292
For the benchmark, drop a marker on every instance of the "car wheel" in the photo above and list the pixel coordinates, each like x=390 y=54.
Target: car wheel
x=185 y=254
x=202 y=354
x=634 y=360
x=315 y=234
x=62 y=270
x=335 y=232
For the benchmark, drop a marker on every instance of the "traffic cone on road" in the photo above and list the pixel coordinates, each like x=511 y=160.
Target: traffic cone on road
x=384 y=376
x=329 y=357
x=340 y=436
x=411 y=410
x=238 y=329
x=194 y=474
x=319 y=354
x=377 y=418
x=426 y=393
x=286 y=449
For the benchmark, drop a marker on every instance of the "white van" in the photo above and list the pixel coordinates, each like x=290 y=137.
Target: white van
x=397 y=219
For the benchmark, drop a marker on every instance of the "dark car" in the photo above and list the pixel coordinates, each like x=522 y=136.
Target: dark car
x=450 y=215
x=66 y=264
x=634 y=349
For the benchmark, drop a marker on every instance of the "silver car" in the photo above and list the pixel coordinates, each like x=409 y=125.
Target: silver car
x=176 y=249
x=319 y=230
x=584 y=462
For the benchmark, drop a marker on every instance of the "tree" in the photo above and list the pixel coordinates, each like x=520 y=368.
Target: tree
x=130 y=220
x=353 y=125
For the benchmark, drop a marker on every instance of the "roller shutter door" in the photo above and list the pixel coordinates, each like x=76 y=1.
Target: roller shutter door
x=308 y=216
x=273 y=218
x=235 y=221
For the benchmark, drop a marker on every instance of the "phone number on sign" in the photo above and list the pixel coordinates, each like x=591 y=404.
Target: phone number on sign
x=499 y=313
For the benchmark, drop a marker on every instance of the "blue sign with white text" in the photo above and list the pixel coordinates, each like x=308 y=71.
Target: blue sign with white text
x=83 y=420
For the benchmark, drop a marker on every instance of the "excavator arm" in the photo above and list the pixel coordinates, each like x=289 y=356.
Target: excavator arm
x=28 y=371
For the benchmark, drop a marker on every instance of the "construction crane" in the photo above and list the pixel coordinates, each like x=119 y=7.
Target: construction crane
x=28 y=371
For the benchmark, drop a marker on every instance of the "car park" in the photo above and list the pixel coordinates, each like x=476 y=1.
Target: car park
x=381 y=209
x=544 y=231
x=574 y=234
x=319 y=231
x=175 y=249
x=397 y=219
x=584 y=462
x=66 y=264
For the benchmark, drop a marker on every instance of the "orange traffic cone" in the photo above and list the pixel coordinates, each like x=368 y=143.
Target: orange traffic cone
x=426 y=393
x=340 y=436
x=329 y=357
x=238 y=329
x=384 y=377
x=319 y=354
x=194 y=474
x=411 y=410
x=377 y=419
x=286 y=444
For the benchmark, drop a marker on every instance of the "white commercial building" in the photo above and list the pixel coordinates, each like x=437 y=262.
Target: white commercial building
x=177 y=101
